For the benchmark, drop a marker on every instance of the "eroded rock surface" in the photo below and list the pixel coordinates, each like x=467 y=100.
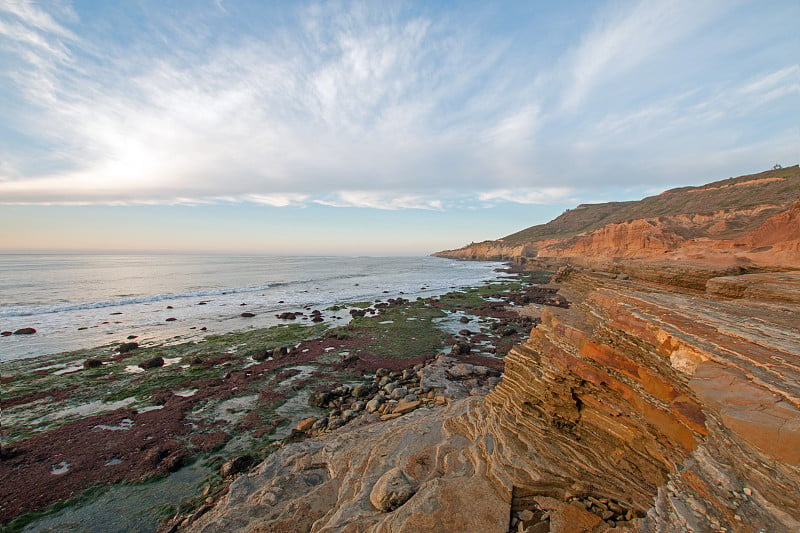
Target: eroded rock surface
x=679 y=409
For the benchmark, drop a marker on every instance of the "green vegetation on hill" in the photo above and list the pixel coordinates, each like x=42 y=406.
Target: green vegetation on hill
x=706 y=199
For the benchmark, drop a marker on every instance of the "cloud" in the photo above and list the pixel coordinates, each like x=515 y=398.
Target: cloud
x=277 y=200
x=623 y=39
x=544 y=195
x=380 y=200
x=362 y=105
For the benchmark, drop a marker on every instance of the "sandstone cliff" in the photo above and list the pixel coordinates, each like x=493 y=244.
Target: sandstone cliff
x=748 y=222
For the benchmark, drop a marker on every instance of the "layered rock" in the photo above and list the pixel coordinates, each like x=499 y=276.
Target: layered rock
x=681 y=410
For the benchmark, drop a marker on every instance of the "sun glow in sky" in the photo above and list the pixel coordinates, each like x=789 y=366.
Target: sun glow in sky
x=373 y=127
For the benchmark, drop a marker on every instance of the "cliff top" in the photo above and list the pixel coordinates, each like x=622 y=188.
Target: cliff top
x=774 y=187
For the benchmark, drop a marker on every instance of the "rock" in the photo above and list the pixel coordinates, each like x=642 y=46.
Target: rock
x=9 y=333
x=155 y=362
x=25 y=331
x=126 y=347
x=92 y=363
x=405 y=407
x=526 y=515
x=398 y=393
x=287 y=316
x=461 y=348
x=360 y=391
x=236 y=465
x=320 y=399
x=306 y=424
x=280 y=351
x=465 y=332
x=261 y=355
x=171 y=319
x=565 y=518
x=373 y=405
x=131 y=337
x=248 y=315
x=461 y=371
x=392 y=490
x=464 y=320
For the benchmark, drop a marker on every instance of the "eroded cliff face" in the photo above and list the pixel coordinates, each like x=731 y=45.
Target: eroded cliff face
x=489 y=251
x=637 y=392
x=674 y=410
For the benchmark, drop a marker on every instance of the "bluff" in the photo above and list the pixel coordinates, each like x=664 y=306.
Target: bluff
x=749 y=222
x=664 y=397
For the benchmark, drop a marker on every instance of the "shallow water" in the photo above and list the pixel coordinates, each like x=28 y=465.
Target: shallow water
x=82 y=301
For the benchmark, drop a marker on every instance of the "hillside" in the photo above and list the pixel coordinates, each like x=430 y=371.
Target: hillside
x=674 y=222
x=777 y=187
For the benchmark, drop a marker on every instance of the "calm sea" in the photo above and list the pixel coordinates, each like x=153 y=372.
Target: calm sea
x=81 y=301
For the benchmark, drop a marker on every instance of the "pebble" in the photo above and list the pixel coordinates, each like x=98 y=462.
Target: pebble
x=526 y=515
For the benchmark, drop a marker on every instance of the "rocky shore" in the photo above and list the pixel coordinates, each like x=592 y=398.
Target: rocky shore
x=638 y=407
x=78 y=424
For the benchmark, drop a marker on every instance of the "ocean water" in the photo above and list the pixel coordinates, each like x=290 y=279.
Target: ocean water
x=82 y=301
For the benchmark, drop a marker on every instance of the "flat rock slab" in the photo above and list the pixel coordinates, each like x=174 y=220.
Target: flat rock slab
x=336 y=482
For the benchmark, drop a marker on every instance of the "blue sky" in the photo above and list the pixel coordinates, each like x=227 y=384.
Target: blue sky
x=373 y=127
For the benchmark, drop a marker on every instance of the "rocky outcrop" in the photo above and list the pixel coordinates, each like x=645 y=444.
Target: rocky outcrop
x=637 y=407
x=490 y=251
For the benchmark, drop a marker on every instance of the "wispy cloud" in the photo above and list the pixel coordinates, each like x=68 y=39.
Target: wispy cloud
x=277 y=200
x=624 y=37
x=525 y=195
x=381 y=200
x=353 y=104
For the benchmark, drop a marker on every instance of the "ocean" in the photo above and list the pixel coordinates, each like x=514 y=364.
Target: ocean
x=88 y=300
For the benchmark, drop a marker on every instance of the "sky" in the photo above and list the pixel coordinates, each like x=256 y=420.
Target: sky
x=375 y=128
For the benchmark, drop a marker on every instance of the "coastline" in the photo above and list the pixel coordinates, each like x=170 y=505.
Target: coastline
x=238 y=394
x=183 y=299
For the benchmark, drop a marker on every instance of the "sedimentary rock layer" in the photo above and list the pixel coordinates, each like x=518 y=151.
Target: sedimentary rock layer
x=679 y=409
